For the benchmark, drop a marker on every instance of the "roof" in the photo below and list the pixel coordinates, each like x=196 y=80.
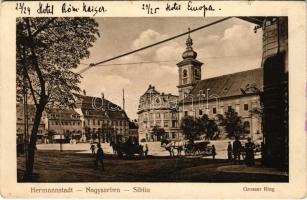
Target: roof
x=62 y=111
x=63 y=114
x=98 y=106
x=31 y=112
x=246 y=82
x=151 y=91
x=89 y=102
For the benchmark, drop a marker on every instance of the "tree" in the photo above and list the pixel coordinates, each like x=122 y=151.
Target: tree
x=209 y=127
x=50 y=135
x=158 y=132
x=47 y=51
x=232 y=123
x=191 y=128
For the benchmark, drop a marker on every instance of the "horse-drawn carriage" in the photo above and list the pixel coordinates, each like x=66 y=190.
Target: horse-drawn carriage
x=199 y=147
x=127 y=148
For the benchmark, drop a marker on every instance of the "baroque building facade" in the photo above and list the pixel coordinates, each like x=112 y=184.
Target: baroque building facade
x=157 y=110
x=217 y=95
x=239 y=91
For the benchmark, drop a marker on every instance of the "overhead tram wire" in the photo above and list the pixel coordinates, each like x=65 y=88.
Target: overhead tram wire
x=154 y=44
x=165 y=61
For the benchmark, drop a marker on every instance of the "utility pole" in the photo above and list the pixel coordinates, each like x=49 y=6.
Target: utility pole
x=61 y=145
x=123 y=99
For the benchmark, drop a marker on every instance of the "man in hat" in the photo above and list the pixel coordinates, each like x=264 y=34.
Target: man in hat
x=99 y=157
x=237 y=146
x=249 y=149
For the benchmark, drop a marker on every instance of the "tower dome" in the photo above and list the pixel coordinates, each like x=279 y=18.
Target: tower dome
x=189 y=52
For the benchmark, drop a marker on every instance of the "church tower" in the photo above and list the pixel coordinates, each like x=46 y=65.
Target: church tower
x=189 y=69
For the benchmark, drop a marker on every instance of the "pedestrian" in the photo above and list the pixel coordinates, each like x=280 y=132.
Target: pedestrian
x=249 y=152
x=237 y=146
x=229 y=151
x=93 y=149
x=213 y=151
x=99 y=157
x=146 y=150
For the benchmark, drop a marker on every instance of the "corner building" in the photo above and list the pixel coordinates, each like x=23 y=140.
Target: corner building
x=160 y=110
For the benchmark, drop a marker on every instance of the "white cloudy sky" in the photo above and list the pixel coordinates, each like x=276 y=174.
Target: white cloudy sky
x=224 y=48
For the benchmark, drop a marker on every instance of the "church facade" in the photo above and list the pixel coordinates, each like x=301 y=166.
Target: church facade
x=239 y=91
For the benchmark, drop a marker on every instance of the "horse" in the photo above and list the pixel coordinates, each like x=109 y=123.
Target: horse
x=170 y=146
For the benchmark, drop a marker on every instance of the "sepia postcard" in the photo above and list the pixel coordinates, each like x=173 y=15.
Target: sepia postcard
x=153 y=99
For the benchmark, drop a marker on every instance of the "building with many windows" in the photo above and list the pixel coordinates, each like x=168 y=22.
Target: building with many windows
x=238 y=91
x=157 y=110
x=64 y=124
x=20 y=123
x=102 y=119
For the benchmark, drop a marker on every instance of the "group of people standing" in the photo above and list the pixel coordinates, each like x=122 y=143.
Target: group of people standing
x=236 y=150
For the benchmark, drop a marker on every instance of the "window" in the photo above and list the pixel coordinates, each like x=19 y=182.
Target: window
x=185 y=76
x=165 y=115
x=165 y=123
x=185 y=113
x=214 y=110
x=94 y=121
x=200 y=112
x=229 y=108
x=174 y=115
x=245 y=107
x=246 y=127
x=158 y=115
x=174 y=123
x=184 y=73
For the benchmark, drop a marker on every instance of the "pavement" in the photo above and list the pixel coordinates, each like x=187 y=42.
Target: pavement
x=251 y=170
x=155 y=148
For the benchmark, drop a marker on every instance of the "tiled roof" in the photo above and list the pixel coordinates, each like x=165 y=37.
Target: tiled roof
x=231 y=84
x=94 y=106
x=62 y=111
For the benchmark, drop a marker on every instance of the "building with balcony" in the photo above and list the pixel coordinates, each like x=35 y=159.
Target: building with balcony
x=160 y=110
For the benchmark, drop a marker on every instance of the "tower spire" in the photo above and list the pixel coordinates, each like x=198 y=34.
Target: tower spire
x=189 y=41
x=189 y=52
